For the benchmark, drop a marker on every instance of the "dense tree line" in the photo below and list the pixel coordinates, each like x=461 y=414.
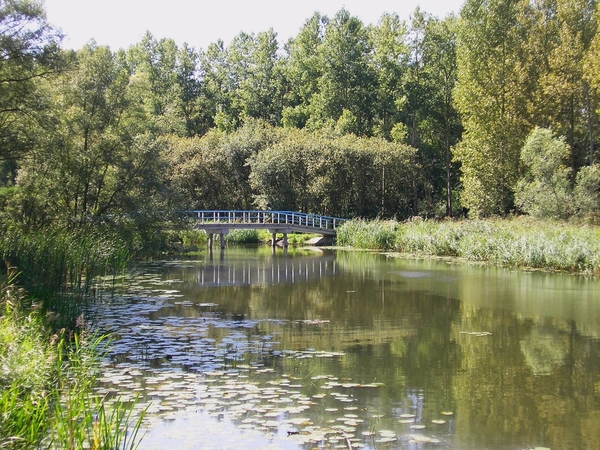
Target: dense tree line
x=422 y=117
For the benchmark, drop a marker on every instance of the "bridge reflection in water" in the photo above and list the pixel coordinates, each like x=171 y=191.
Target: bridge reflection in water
x=279 y=270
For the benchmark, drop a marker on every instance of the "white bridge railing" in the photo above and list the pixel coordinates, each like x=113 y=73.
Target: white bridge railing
x=265 y=219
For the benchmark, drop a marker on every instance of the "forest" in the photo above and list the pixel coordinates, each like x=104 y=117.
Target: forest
x=492 y=112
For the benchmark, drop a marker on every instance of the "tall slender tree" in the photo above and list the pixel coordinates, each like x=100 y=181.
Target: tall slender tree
x=490 y=96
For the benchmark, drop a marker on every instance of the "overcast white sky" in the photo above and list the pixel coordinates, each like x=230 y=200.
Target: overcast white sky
x=121 y=23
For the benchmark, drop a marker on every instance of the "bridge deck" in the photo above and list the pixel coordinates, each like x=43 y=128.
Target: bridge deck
x=221 y=221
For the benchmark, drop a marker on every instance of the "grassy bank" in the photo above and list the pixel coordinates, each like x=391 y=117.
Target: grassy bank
x=49 y=355
x=519 y=242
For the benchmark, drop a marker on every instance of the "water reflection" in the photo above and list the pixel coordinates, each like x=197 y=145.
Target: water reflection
x=282 y=267
x=359 y=346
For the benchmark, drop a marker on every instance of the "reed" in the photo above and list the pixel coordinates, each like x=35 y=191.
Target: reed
x=46 y=381
x=376 y=235
x=64 y=260
x=49 y=360
x=79 y=419
x=243 y=237
x=516 y=242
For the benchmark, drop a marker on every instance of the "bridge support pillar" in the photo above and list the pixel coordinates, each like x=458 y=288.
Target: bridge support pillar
x=285 y=240
x=210 y=240
x=222 y=238
x=273 y=239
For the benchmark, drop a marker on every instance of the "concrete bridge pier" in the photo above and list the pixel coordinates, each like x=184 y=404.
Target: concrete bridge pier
x=274 y=237
x=221 y=234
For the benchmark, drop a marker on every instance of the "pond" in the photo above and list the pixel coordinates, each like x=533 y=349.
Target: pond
x=305 y=348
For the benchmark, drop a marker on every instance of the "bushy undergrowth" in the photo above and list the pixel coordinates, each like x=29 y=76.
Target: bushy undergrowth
x=520 y=242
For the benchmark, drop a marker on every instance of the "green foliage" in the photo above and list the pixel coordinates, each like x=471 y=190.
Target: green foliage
x=587 y=192
x=517 y=243
x=491 y=97
x=378 y=235
x=30 y=52
x=46 y=385
x=545 y=190
x=338 y=176
x=243 y=237
x=212 y=172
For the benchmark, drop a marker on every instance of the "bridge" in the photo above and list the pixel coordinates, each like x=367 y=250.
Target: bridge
x=282 y=222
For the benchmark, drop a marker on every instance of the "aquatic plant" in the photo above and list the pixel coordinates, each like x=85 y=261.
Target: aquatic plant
x=46 y=382
x=243 y=237
x=518 y=242
x=363 y=234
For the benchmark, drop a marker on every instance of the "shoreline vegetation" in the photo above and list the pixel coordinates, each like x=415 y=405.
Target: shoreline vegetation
x=49 y=353
x=520 y=242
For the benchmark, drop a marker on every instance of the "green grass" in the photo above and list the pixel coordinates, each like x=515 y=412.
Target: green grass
x=48 y=359
x=518 y=242
x=243 y=237
x=46 y=382
x=376 y=235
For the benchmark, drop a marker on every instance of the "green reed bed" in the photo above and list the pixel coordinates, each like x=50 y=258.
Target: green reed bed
x=519 y=242
x=59 y=259
x=46 y=385
x=48 y=357
x=377 y=235
x=243 y=237
x=263 y=237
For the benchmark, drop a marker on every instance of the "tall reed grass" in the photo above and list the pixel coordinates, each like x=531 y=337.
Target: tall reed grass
x=65 y=260
x=518 y=242
x=46 y=382
x=48 y=359
x=376 y=235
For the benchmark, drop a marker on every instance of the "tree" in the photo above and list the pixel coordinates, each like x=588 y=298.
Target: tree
x=567 y=98
x=303 y=71
x=29 y=52
x=545 y=191
x=188 y=78
x=259 y=92
x=440 y=58
x=100 y=158
x=348 y=80
x=389 y=60
x=491 y=97
x=155 y=69
x=587 y=192
x=216 y=101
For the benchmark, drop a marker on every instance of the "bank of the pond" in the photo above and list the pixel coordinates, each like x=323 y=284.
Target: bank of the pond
x=517 y=242
x=50 y=358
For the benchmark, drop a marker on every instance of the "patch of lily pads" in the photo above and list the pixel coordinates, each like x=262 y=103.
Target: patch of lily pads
x=176 y=366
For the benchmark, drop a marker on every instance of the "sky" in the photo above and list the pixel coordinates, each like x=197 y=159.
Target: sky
x=121 y=23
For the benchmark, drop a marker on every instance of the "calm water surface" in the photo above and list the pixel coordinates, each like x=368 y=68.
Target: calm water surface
x=306 y=349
